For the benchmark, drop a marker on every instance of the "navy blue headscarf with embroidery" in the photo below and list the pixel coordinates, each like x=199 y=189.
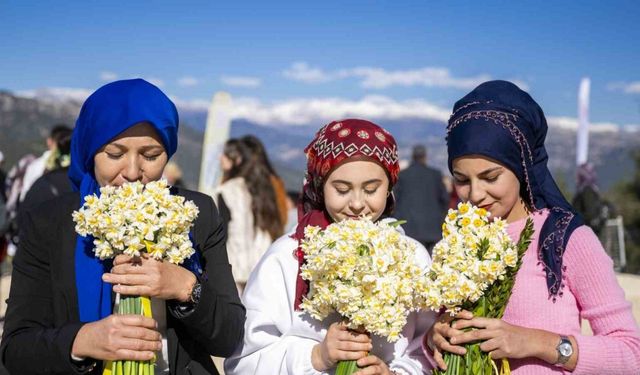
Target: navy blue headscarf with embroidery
x=502 y=122
x=109 y=111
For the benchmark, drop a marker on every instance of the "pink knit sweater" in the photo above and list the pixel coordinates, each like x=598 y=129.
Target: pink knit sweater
x=591 y=292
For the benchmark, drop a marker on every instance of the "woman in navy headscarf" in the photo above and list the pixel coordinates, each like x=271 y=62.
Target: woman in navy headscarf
x=495 y=141
x=59 y=318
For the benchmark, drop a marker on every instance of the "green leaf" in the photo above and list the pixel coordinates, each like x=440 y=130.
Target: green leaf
x=397 y=223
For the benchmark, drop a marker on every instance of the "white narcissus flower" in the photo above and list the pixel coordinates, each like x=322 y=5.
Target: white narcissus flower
x=124 y=219
x=365 y=271
x=473 y=253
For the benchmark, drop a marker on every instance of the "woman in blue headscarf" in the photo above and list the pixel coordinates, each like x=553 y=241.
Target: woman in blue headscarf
x=495 y=141
x=59 y=318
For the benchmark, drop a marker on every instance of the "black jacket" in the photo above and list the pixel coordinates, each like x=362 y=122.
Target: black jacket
x=42 y=315
x=421 y=200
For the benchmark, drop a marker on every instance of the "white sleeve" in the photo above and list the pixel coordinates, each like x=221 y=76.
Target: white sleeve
x=272 y=343
x=412 y=360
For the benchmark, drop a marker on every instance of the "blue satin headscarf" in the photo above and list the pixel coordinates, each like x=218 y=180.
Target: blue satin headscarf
x=502 y=122
x=112 y=109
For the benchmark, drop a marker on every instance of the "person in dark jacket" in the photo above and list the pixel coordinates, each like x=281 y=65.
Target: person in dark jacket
x=421 y=199
x=588 y=200
x=59 y=317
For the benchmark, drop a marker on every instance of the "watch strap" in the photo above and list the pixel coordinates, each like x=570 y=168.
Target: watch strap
x=562 y=359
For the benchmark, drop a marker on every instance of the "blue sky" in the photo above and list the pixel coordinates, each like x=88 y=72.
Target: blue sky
x=285 y=57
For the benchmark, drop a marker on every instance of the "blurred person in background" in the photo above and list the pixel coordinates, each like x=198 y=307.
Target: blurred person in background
x=259 y=154
x=13 y=186
x=3 y=178
x=293 y=199
x=39 y=166
x=588 y=201
x=422 y=199
x=3 y=211
x=247 y=203
x=55 y=181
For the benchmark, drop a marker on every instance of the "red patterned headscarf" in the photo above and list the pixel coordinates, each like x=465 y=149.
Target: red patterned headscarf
x=332 y=145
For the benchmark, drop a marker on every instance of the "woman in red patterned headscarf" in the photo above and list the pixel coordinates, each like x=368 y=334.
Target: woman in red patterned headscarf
x=352 y=166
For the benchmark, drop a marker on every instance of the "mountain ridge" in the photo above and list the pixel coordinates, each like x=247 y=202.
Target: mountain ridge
x=24 y=123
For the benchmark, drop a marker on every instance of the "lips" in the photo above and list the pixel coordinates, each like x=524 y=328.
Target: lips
x=354 y=216
x=487 y=206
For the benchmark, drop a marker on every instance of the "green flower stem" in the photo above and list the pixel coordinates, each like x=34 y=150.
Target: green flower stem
x=132 y=305
x=346 y=367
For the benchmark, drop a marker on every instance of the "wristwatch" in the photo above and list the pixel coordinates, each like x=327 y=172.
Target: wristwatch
x=564 y=349
x=194 y=297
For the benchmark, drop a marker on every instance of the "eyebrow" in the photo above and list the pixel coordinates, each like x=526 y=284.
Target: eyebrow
x=350 y=184
x=483 y=173
x=143 y=148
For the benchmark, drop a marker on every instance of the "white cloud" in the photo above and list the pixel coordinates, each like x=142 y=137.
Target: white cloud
x=305 y=111
x=626 y=87
x=238 y=81
x=108 y=76
x=57 y=94
x=191 y=105
x=571 y=123
x=156 y=81
x=311 y=110
x=520 y=83
x=379 y=78
x=427 y=77
x=303 y=72
x=188 y=81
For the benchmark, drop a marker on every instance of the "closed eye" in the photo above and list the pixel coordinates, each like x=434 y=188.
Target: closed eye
x=460 y=181
x=151 y=157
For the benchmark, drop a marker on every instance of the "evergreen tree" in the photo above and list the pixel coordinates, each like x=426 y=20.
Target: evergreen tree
x=626 y=197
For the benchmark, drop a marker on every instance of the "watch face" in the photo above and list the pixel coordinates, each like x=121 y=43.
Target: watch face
x=565 y=349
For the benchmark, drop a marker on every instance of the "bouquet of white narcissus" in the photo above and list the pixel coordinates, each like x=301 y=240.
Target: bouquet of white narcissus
x=474 y=268
x=364 y=271
x=133 y=219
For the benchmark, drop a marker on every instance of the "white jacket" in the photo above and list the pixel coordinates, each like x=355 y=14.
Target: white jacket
x=245 y=243
x=279 y=340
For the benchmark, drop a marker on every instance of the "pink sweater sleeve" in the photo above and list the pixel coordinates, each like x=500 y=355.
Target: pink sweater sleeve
x=614 y=347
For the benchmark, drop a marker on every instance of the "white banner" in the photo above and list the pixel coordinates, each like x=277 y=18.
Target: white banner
x=216 y=134
x=582 y=135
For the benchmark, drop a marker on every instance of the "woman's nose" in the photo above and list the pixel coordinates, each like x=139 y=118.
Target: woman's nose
x=476 y=193
x=133 y=170
x=356 y=204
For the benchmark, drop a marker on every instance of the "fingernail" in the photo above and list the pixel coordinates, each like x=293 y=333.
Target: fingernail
x=453 y=340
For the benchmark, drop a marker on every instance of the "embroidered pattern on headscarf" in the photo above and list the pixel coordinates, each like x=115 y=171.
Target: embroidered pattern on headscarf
x=504 y=104
x=507 y=121
x=554 y=245
x=333 y=144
